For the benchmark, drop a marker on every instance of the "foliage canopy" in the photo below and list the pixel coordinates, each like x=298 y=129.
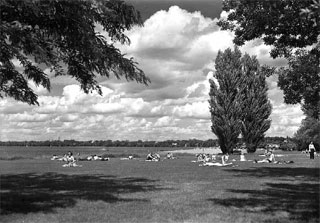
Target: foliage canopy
x=287 y=25
x=62 y=35
x=301 y=82
x=278 y=23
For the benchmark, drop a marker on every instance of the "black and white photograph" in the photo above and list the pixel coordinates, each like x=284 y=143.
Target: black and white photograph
x=151 y=111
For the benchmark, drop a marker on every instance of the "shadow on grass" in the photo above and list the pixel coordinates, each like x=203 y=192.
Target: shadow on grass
x=24 y=193
x=299 y=198
x=296 y=173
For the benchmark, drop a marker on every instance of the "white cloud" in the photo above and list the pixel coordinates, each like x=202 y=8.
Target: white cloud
x=197 y=110
x=176 y=49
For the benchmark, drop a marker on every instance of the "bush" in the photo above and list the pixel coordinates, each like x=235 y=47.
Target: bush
x=288 y=146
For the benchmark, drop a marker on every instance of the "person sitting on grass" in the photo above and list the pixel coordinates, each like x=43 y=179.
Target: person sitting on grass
x=269 y=159
x=170 y=156
x=242 y=157
x=202 y=157
x=224 y=160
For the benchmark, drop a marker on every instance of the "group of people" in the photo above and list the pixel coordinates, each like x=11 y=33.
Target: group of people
x=156 y=156
x=212 y=161
x=71 y=161
x=68 y=158
x=203 y=157
x=206 y=159
x=94 y=158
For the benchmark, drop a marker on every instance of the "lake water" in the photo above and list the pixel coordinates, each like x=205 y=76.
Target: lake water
x=211 y=150
x=44 y=152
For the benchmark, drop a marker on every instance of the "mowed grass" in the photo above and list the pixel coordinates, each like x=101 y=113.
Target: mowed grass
x=41 y=190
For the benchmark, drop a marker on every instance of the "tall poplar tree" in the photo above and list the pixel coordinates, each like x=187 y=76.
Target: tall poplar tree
x=256 y=107
x=239 y=101
x=224 y=99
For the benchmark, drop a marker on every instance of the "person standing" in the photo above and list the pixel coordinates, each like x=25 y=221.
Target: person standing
x=311 y=150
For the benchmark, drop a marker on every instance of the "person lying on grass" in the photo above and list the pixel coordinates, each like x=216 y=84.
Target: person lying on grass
x=94 y=158
x=63 y=158
x=55 y=157
x=224 y=162
x=127 y=158
x=153 y=157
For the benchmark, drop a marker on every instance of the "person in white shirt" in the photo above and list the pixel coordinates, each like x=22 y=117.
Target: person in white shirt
x=312 y=150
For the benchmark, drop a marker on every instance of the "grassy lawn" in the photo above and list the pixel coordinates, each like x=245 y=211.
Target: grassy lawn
x=40 y=190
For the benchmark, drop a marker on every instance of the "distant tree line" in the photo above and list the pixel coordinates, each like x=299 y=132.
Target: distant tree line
x=127 y=143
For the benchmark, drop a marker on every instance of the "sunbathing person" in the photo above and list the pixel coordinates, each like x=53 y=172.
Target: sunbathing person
x=103 y=158
x=153 y=157
x=269 y=159
x=149 y=157
x=99 y=158
x=170 y=156
x=71 y=161
x=242 y=156
x=224 y=160
x=127 y=158
x=96 y=157
x=202 y=157
x=54 y=157
x=89 y=158
x=63 y=158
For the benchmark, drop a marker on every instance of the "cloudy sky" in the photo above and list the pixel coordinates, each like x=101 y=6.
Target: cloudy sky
x=176 y=48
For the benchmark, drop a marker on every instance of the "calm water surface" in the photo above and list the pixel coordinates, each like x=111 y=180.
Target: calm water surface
x=46 y=152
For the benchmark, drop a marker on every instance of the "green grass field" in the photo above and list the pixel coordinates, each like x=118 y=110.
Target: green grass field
x=41 y=190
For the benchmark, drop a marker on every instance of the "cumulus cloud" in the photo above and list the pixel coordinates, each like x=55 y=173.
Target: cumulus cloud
x=176 y=49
